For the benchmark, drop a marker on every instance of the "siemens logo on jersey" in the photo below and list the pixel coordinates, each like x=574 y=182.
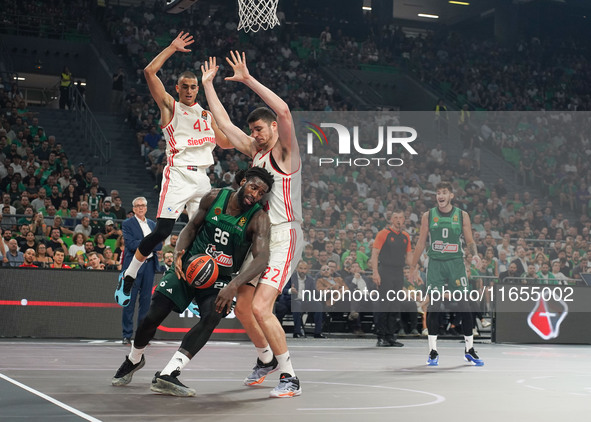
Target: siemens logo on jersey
x=198 y=142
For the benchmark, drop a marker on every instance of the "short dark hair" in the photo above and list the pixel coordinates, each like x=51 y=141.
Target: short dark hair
x=186 y=74
x=262 y=113
x=444 y=185
x=262 y=174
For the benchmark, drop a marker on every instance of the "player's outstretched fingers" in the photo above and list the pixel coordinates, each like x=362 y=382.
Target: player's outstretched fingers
x=234 y=60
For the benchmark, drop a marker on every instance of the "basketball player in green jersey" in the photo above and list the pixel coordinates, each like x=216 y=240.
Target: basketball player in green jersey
x=445 y=225
x=226 y=226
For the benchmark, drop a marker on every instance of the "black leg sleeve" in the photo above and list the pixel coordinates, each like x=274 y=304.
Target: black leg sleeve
x=196 y=338
x=162 y=230
x=433 y=318
x=160 y=307
x=467 y=322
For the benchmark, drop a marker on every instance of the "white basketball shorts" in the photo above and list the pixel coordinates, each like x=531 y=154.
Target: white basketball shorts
x=182 y=186
x=286 y=245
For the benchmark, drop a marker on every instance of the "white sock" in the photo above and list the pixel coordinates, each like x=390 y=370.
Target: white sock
x=136 y=354
x=134 y=267
x=469 y=342
x=432 y=342
x=284 y=364
x=265 y=354
x=178 y=362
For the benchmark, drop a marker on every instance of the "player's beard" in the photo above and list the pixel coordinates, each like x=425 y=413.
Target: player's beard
x=243 y=205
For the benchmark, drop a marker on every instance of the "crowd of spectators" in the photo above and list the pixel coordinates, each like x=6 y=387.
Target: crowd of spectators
x=47 y=202
x=58 y=19
x=549 y=150
x=344 y=207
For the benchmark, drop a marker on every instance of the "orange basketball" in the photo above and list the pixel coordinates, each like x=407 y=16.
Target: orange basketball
x=201 y=271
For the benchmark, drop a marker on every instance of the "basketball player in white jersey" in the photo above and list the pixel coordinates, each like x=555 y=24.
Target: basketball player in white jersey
x=191 y=134
x=273 y=146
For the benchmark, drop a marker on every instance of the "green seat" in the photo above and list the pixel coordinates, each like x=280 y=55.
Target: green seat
x=67 y=240
x=445 y=86
x=303 y=53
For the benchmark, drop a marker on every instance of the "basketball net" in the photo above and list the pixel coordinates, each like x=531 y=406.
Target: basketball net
x=257 y=14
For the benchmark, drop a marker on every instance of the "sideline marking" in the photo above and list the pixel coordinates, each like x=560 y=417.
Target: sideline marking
x=50 y=399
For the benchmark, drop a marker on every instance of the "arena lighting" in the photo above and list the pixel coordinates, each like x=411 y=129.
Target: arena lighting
x=426 y=15
x=366 y=8
x=461 y=3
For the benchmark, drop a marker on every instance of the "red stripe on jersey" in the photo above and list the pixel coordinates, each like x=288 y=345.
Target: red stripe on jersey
x=284 y=201
x=292 y=242
x=287 y=199
x=170 y=131
x=164 y=190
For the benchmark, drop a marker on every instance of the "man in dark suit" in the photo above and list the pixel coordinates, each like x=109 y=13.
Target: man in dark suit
x=134 y=230
x=520 y=261
x=512 y=274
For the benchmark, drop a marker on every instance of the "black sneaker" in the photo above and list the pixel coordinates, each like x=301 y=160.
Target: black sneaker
x=169 y=384
x=472 y=357
x=126 y=371
x=382 y=343
x=394 y=343
x=433 y=358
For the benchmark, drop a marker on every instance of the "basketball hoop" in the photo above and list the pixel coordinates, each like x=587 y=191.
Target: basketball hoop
x=257 y=14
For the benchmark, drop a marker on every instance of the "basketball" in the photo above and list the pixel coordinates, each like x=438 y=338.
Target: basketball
x=201 y=271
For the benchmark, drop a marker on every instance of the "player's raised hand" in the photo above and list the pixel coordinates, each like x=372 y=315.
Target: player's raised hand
x=238 y=63
x=182 y=40
x=209 y=70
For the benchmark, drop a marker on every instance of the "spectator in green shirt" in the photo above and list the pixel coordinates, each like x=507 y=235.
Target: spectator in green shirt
x=358 y=256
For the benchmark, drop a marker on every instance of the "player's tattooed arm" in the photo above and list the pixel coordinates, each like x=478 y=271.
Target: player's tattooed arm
x=419 y=247
x=259 y=230
x=471 y=247
x=470 y=244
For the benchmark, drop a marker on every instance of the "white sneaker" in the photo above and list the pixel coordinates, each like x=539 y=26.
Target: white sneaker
x=475 y=332
x=485 y=323
x=260 y=371
x=288 y=387
x=425 y=332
